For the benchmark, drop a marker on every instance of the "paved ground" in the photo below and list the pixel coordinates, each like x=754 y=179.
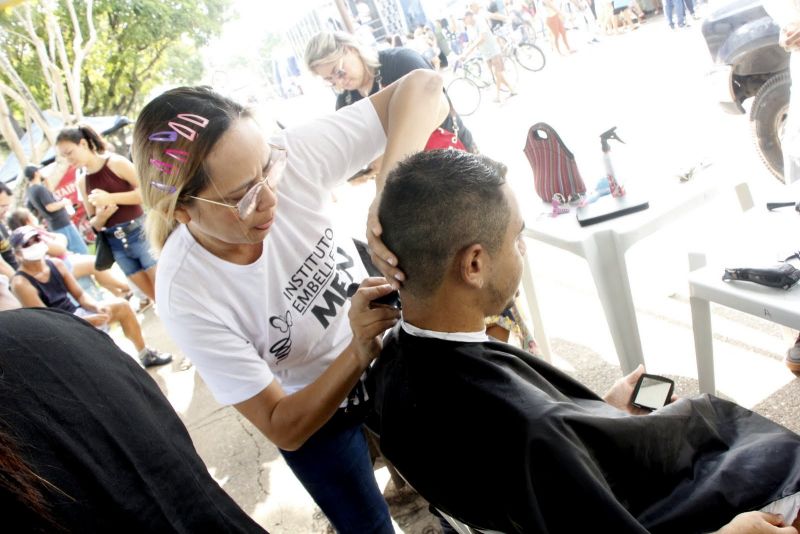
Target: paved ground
x=648 y=83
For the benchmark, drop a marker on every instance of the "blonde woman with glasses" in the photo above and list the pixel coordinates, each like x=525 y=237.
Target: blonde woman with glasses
x=357 y=71
x=253 y=271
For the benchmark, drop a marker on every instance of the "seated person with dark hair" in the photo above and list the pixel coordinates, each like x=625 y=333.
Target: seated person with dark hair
x=502 y=440
x=82 y=266
x=90 y=444
x=47 y=283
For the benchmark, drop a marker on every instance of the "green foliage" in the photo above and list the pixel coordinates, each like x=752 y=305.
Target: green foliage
x=140 y=44
x=15 y=44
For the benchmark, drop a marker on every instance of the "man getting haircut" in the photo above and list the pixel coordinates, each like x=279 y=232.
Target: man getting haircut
x=505 y=441
x=430 y=221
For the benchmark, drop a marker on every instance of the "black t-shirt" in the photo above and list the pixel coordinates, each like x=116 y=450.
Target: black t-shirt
x=91 y=422
x=396 y=63
x=494 y=9
x=39 y=197
x=5 y=247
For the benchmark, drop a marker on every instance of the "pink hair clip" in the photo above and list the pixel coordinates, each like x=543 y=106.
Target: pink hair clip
x=165 y=188
x=176 y=128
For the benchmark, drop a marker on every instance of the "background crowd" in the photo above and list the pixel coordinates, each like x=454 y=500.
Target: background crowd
x=45 y=259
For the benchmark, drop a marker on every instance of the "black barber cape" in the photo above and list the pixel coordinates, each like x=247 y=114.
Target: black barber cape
x=505 y=441
x=89 y=420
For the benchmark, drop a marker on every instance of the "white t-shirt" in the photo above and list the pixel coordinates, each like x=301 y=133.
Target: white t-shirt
x=284 y=315
x=489 y=47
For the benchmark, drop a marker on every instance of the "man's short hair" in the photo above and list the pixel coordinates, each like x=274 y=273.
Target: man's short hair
x=30 y=171
x=437 y=203
x=5 y=189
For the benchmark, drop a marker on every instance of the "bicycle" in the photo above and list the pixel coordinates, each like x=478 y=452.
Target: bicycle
x=464 y=90
x=470 y=77
x=483 y=75
x=513 y=44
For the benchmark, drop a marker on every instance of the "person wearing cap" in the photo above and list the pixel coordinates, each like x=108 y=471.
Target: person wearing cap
x=82 y=266
x=46 y=282
x=53 y=211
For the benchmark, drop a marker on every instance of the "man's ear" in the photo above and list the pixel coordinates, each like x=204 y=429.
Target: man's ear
x=473 y=265
x=181 y=215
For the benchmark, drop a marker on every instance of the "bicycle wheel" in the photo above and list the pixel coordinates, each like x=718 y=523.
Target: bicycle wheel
x=465 y=96
x=478 y=72
x=530 y=57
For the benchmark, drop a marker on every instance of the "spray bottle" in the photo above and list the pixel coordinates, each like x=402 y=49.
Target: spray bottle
x=617 y=190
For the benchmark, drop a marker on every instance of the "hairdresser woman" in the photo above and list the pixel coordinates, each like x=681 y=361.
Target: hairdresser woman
x=357 y=71
x=253 y=271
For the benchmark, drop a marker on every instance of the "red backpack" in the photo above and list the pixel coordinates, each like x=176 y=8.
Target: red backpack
x=553 y=165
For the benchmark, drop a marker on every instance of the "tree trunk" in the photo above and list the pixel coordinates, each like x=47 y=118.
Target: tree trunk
x=8 y=133
x=27 y=97
x=62 y=76
x=52 y=74
x=80 y=50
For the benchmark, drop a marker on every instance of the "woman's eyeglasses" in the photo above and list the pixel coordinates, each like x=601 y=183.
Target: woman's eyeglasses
x=275 y=168
x=336 y=74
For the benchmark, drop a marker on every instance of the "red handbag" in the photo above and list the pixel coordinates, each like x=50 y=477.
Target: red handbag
x=554 y=168
x=445 y=139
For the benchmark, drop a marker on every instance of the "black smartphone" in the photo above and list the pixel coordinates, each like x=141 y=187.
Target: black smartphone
x=390 y=299
x=652 y=392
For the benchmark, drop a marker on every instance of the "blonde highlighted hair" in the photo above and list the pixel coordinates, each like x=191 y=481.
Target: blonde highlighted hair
x=325 y=47
x=171 y=166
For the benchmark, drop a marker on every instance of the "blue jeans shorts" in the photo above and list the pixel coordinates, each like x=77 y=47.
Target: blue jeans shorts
x=335 y=468
x=75 y=242
x=129 y=246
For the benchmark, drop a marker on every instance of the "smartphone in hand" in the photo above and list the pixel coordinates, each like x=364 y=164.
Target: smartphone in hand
x=652 y=392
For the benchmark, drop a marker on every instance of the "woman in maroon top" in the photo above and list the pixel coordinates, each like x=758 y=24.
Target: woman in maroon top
x=110 y=192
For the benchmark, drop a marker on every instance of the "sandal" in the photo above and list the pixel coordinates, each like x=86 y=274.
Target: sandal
x=144 y=305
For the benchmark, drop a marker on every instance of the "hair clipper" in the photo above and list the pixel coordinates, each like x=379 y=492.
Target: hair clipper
x=782 y=276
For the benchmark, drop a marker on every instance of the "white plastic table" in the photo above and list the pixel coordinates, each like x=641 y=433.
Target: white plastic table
x=757 y=243
x=604 y=245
